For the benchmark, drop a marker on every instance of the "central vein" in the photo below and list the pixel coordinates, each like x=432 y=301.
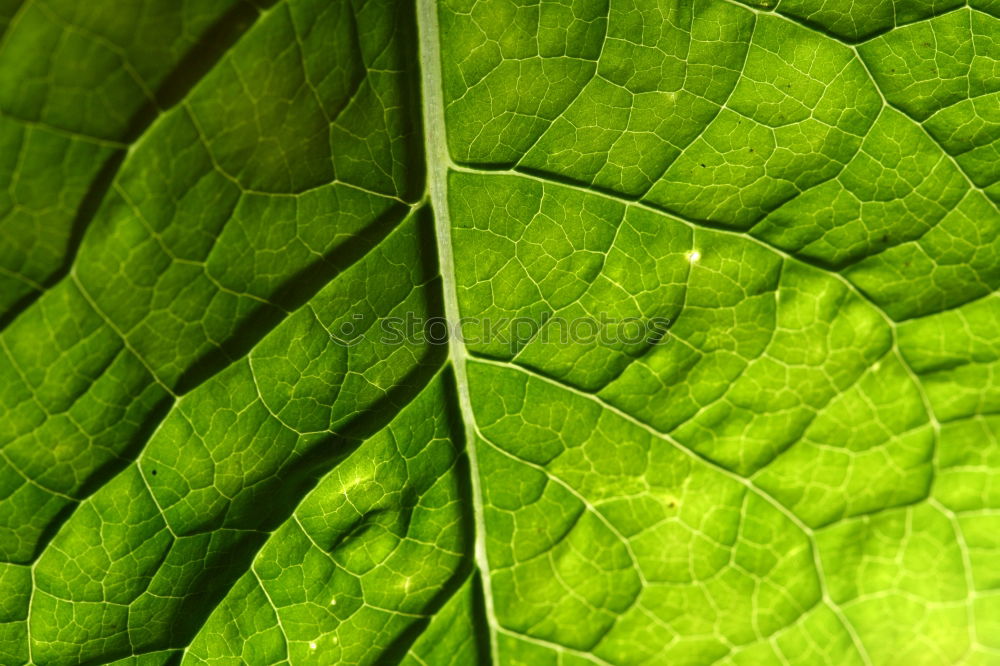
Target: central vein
x=438 y=161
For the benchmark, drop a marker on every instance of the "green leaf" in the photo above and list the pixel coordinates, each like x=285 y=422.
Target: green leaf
x=720 y=278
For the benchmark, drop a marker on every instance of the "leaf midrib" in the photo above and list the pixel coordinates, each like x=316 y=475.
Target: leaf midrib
x=438 y=161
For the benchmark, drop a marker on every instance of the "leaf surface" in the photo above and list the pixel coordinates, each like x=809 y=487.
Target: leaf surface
x=215 y=447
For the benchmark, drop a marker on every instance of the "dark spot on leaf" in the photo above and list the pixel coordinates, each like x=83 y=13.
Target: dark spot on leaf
x=702 y=166
x=153 y=472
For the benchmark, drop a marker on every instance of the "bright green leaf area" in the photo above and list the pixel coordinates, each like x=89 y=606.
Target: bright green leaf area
x=199 y=198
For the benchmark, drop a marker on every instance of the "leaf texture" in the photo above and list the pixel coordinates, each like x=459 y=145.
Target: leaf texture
x=211 y=452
